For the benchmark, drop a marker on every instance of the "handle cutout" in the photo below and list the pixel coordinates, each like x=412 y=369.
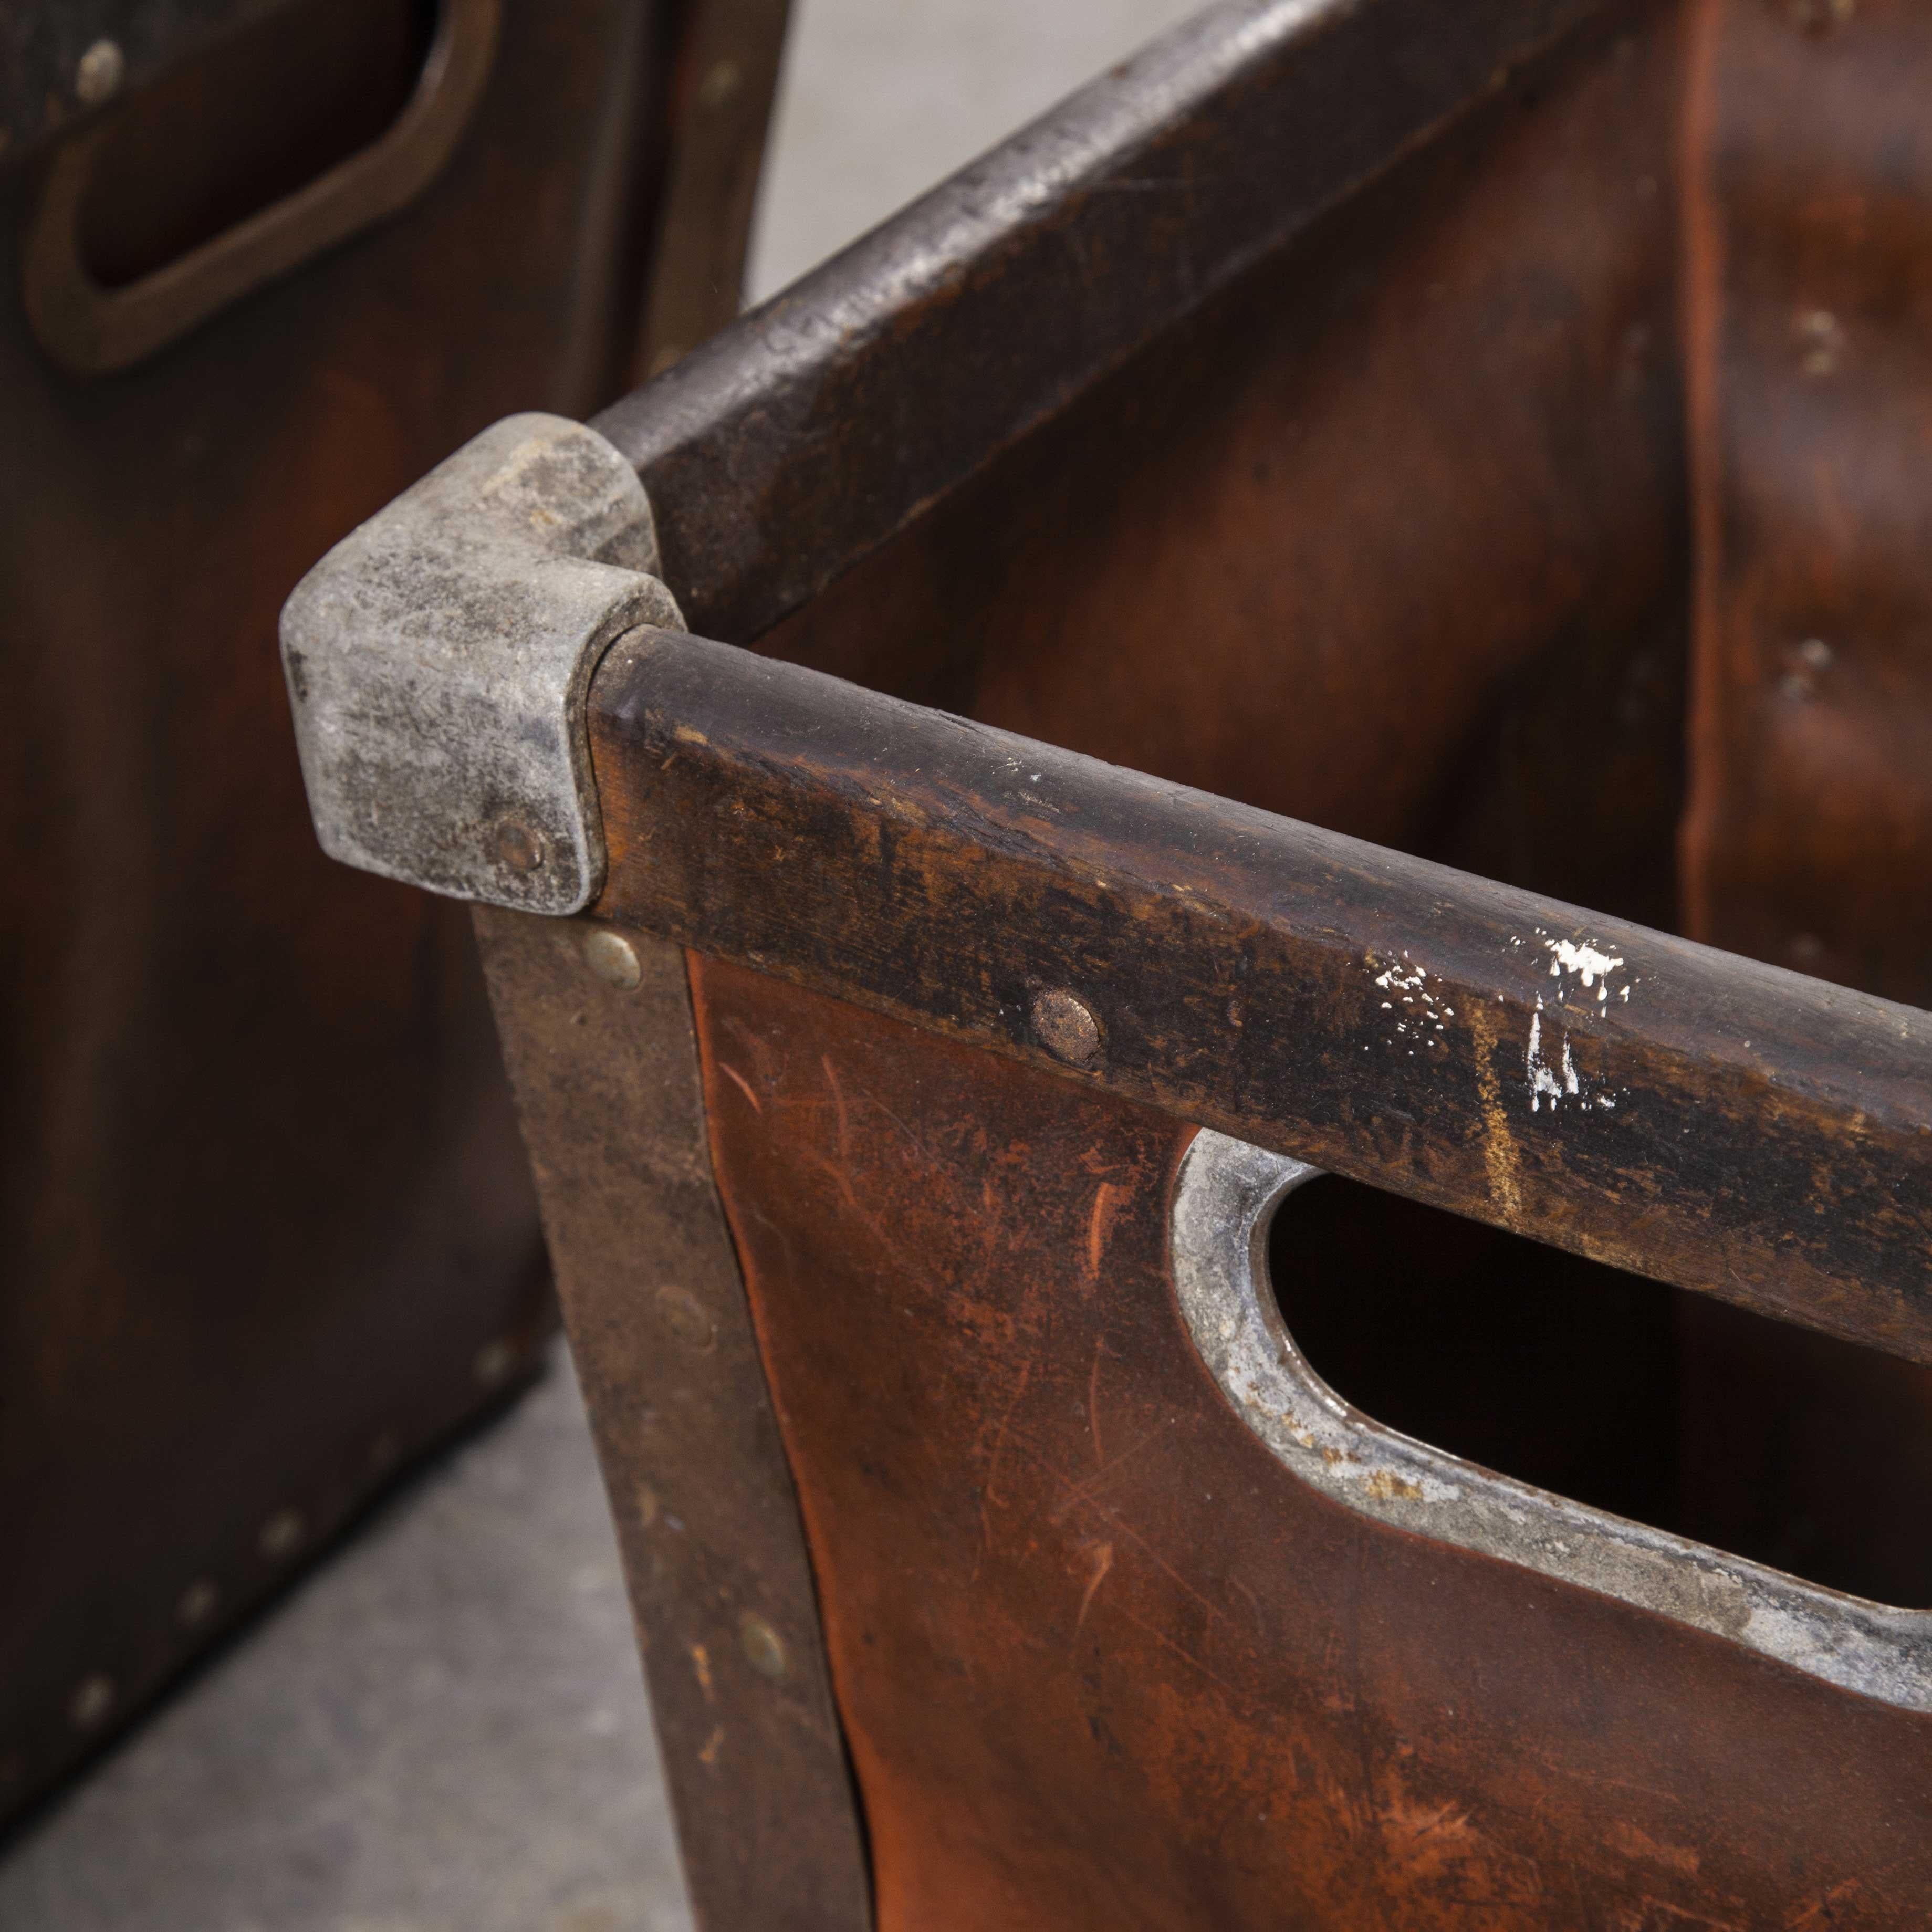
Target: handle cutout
x=1224 y=1209
x=273 y=149
x=1791 y=1447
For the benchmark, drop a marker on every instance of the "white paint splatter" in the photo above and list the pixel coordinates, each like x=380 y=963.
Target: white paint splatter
x=1578 y=959
x=1408 y=984
x=1586 y=960
x=1561 y=1081
x=1413 y=1009
x=1544 y=1083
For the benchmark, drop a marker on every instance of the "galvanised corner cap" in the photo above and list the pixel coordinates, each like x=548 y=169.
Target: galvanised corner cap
x=439 y=657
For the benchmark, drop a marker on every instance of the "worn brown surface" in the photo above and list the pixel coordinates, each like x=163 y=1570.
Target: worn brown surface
x=608 y=1093
x=1390 y=536
x=265 y=1226
x=1102 y=1660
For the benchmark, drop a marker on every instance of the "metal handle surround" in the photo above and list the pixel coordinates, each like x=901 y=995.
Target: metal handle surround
x=1225 y=1196
x=91 y=330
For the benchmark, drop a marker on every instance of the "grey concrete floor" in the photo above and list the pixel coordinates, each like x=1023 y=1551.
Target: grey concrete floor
x=881 y=99
x=443 y=1728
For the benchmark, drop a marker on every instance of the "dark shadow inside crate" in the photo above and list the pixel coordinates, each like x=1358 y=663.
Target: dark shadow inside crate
x=1793 y=1449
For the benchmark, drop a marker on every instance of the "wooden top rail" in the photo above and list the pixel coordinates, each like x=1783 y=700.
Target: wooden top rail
x=1726 y=1126
x=782 y=450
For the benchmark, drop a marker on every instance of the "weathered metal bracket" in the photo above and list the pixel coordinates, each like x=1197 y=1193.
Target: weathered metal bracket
x=439 y=657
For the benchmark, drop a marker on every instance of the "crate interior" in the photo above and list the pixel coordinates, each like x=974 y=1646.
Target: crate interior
x=1392 y=537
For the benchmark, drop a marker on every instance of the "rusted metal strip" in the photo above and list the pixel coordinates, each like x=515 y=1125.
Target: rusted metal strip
x=597 y=1030
x=1011 y=286
x=1726 y=1126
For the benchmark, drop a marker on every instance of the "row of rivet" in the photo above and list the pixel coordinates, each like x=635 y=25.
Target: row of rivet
x=1063 y=1022
x=612 y=958
x=98 y=73
x=1819 y=342
x=280 y=1537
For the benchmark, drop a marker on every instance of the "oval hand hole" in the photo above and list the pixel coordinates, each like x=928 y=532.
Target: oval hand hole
x=1811 y=1455
x=1490 y=1395
x=259 y=116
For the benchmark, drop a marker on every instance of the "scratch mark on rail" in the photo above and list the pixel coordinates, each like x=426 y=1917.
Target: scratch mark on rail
x=1107 y=1198
x=743 y=1085
x=1103 y=1555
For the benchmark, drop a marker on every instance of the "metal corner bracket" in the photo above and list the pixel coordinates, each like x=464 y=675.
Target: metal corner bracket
x=439 y=658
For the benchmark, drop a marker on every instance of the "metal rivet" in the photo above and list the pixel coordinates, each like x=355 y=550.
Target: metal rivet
x=1064 y=1024
x=92 y=1699
x=614 y=959
x=1803 y=663
x=494 y=1361
x=517 y=846
x=719 y=85
x=686 y=1317
x=1819 y=337
x=197 y=1602
x=763 y=1648
x=99 y=75
x=1818 y=16
x=282 y=1534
